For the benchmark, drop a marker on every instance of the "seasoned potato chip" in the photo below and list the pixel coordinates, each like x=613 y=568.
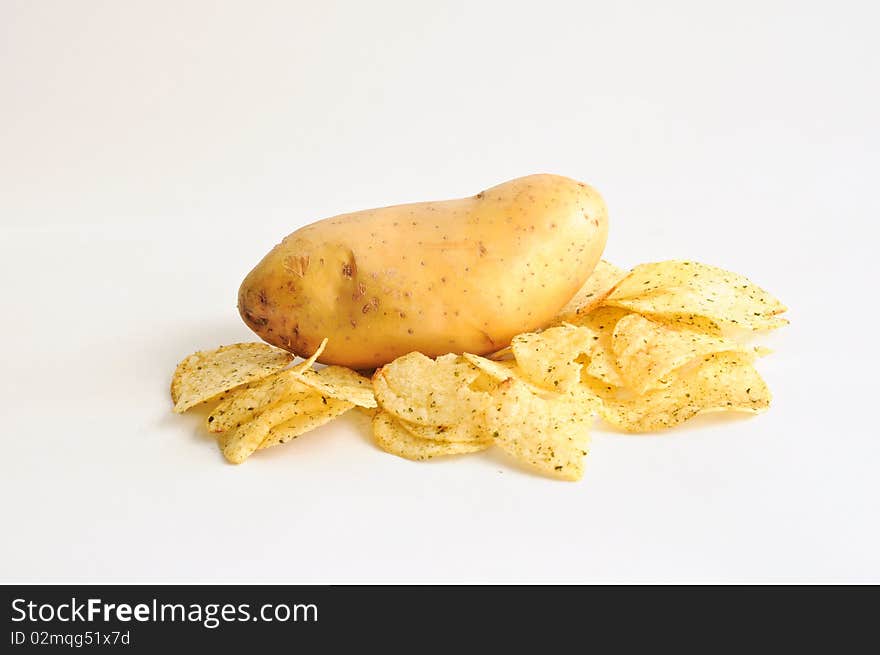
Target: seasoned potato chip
x=240 y=443
x=647 y=352
x=208 y=374
x=681 y=288
x=601 y=320
x=470 y=430
x=505 y=354
x=243 y=404
x=391 y=437
x=602 y=363
x=341 y=383
x=549 y=358
x=502 y=370
x=312 y=411
x=550 y=435
x=421 y=390
x=692 y=322
x=597 y=287
x=246 y=403
x=724 y=381
x=308 y=363
x=368 y=411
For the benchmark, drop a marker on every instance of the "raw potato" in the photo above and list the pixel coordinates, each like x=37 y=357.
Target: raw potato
x=208 y=374
x=391 y=437
x=457 y=276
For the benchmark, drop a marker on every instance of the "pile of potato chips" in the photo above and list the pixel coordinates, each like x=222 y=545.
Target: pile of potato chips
x=644 y=350
x=265 y=405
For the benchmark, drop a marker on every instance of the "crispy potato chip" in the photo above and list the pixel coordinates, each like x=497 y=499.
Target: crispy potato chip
x=421 y=390
x=246 y=403
x=692 y=322
x=240 y=443
x=602 y=363
x=243 y=404
x=208 y=374
x=681 y=288
x=312 y=411
x=391 y=437
x=504 y=354
x=724 y=381
x=340 y=383
x=647 y=352
x=501 y=371
x=601 y=320
x=551 y=435
x=597 y=287
x=368 y=411
x=308 y=363
x=549 y=358
x=470 y=430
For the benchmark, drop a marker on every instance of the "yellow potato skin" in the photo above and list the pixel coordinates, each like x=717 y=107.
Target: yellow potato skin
x=462 y=275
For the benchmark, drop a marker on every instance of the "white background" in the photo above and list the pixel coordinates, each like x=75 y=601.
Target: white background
x=152 y=152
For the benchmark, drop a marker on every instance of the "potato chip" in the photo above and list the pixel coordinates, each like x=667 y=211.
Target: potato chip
x=597 y=287
x=587 y=344
x=208 y=374
x=551 y=435
x=368 y=411
x=308 y=363
x=692 y=322
x=601 y=320
x=681 y=288
x=549 y=358
x=243 y=404
x=469 y=430
x=341 y=383
x=501 y=371
x=241 y=442
x=601 y=362
x=425 y=391
x=238 y=444
x=724 y=381
x=647 y=351
x=312 y=411
x=391 y=437
x=504 y=354
x=484 y=381
x=246 y=403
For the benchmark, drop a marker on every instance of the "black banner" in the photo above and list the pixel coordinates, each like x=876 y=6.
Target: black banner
x=154 y=618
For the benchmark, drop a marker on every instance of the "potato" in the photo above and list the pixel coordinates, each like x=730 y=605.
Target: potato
x=461 y=275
